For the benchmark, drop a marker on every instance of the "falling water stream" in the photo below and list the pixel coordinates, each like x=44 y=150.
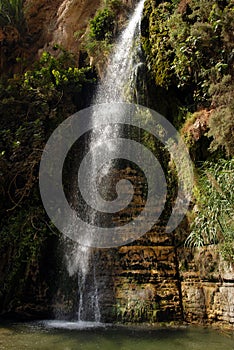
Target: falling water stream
x=117 y=81
x=116 y=86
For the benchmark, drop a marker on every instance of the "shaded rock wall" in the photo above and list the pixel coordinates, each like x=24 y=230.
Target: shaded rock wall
x=139 y=282
x=48 y=23
x=150 y=281
x=147 y=286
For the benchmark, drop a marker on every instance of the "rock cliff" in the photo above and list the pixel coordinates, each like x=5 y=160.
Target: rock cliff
x=56 y=22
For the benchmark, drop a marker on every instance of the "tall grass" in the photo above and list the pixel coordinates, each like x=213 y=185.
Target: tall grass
x=12 y=14
x=214 y=217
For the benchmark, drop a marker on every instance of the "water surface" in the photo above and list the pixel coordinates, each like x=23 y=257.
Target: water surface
x=73 y=336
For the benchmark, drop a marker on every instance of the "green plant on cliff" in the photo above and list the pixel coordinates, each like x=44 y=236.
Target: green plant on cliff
x=54 y=75
x=214 y=211
x=98 y=40
x=103 y=28
x=221 y=123
x=189 y=45
x=189 y=50
x=12 y=14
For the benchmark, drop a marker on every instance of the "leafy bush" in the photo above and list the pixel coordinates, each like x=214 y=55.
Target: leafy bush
x=56 y=74
x=214 y=211
x=189 y=48
x=102 y=26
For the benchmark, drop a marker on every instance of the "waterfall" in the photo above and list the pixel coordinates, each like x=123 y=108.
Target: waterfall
x=118 y=75
x=117 y=86
x=81 y=261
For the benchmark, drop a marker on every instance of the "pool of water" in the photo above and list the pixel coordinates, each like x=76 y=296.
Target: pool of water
x=57 y=335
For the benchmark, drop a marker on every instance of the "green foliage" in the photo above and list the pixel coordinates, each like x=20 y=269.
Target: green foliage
x=31 y=106
x=103 y=29
x=189 y=48
x=214 y=213
x=98 y=40
x=156 y=44
x=23 y=239
x=221 y=123
x=102 y=26
x=55 y=74
x=12 y=14
x=98 y=50
x=138 y=311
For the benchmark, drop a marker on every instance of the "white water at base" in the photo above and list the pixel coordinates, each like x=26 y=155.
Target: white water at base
x=113 y=88
x=72 y=325
x=80 y=261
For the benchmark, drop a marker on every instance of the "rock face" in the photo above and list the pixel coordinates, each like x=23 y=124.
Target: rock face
x=140 y=282
x=61 y=22
x=48 y=23
x=151 y=280
x=56 y=22
x=146 y=283
x=207 y=287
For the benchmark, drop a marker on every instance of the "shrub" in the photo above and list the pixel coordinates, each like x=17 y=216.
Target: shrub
x=214 y=211
x=102 y=26
x=189 y=48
